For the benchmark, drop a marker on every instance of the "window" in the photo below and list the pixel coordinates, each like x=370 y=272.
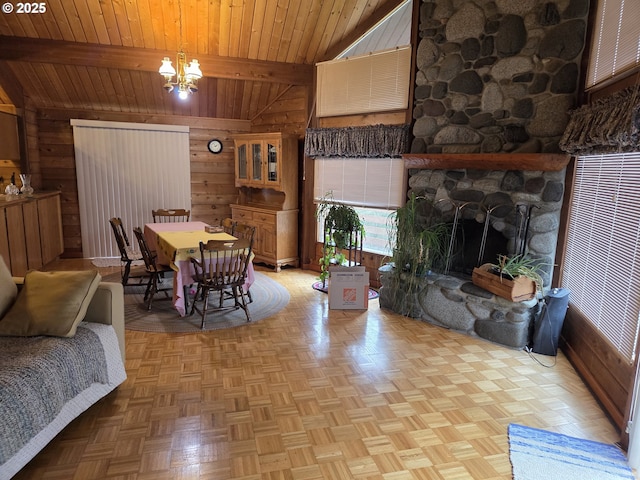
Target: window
x=375 y=222
x=374 y=186
x=375 y=82
x=615 y=47
x=126 y=170
x=602 y=258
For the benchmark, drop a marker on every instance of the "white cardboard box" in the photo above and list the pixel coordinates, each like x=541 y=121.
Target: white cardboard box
x=348 y=288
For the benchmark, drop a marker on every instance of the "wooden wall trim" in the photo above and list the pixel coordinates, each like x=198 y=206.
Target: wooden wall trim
x=488 y=161
x=603 y=369
x=195 y=122
x=364 y=119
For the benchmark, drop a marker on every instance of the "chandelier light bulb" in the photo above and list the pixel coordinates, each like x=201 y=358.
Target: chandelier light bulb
x=183 y=92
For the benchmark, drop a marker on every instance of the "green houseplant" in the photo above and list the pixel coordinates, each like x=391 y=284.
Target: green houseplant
x=515 y=278
x=342 y=227
x=418 y=245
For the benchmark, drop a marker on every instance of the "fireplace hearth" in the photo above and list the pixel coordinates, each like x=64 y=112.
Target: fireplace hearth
x=496 y=203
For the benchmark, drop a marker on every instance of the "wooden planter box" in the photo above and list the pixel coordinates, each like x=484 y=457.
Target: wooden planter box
x=516 y=290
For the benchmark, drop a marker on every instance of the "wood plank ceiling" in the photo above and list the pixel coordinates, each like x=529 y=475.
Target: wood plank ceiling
x=105 y=54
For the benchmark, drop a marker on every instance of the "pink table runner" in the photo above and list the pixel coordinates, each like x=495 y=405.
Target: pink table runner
x=182 y=265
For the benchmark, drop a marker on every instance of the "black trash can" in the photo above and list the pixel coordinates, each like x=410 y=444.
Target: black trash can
x=548 y=323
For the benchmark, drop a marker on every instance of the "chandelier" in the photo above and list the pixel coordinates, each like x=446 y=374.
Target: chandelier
x=187 y=74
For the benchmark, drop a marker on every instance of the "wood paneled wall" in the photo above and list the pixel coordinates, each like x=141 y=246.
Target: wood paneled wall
x=288 y=114
x=32 y=153
x=212 y=176
x=603 y=369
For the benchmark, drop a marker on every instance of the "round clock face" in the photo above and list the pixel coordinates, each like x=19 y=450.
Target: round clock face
x=215 y=146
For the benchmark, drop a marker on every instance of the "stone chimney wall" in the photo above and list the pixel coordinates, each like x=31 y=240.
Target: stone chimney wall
x=496 y=76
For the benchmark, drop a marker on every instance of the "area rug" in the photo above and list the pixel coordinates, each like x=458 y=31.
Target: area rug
x=325 y=288
x=538 y=454
x=269 y=297
x=104 y=262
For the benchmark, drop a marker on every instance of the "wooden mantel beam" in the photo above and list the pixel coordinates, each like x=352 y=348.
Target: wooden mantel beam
x=546 y=162
x=108 y=56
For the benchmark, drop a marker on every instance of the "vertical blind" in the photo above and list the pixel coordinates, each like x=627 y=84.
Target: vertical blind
x=602 y=263
x=615 y=46
x=126 y=170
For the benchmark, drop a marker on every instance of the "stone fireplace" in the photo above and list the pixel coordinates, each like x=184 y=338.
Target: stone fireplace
x=517 y=197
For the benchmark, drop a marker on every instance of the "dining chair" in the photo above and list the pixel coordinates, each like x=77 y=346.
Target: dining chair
x=127 y=254
x=154 y=270
x=171 y=215
x=248 y=232
x=227 y=224
x=222 y=266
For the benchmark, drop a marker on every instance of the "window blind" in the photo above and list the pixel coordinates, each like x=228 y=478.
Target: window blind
x=365 y=182
x=375 y=82
x=126 y=170
x=615 y=46
x=602 y=266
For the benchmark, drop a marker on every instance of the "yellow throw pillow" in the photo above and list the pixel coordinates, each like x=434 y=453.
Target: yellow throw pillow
x=8 y=288
x=50 y=303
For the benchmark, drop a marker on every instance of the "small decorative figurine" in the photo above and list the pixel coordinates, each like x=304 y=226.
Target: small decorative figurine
x=12 y=188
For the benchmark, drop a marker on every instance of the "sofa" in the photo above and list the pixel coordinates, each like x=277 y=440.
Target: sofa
x=61 y=350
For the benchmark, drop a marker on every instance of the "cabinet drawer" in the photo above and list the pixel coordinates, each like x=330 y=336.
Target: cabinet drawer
x=243 y=215
x=268 y=218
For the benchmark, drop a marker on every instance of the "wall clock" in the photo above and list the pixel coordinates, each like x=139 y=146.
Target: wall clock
x=214 y=146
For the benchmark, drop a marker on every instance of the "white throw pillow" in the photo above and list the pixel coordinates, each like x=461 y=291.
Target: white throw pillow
x=8 y=288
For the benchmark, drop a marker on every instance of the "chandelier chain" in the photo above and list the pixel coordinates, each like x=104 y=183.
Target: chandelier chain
x=187 y=74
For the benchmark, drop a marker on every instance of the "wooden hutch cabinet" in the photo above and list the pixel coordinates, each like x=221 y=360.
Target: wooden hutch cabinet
x=266 y=166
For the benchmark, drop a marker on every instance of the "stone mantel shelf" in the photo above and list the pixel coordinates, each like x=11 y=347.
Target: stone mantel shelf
x=546 y=162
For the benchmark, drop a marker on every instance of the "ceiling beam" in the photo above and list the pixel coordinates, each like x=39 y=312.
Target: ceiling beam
x=361 y=29
x=107 y=56
x=11 y=86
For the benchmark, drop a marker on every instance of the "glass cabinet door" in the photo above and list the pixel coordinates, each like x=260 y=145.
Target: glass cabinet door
x=256 y=162
x=272 y=163
x=241 y=155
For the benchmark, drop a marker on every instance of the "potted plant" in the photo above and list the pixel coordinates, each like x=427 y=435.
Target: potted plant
x=516 y=278
x=343 y=230
x=417 y=244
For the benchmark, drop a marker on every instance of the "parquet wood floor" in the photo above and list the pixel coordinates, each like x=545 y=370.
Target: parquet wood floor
x=314 y=393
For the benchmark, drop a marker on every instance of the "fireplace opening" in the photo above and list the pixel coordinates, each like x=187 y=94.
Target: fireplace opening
x=468 y=251
x=480 y=233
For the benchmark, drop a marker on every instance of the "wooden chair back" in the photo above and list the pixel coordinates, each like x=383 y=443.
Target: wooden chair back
x=227 y=224
x=127 y=254
x=154 y=270
x=147 y=255
x=171 y=215
x=121 y=238
x=224 y=264
x=246 y=232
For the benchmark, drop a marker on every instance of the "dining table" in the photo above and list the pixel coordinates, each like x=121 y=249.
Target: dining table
x=175 y=244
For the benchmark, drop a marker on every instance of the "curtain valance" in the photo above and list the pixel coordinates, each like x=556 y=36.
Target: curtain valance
x=608 y=125
x=363 y=142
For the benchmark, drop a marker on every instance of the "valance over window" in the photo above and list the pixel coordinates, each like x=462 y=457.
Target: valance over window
x=609 y=125
x=363 y=142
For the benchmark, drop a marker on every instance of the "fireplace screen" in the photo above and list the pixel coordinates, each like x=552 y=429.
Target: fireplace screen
x=479 y=234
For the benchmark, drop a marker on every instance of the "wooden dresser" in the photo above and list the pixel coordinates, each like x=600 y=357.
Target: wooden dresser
x=266 y=172
x=30 y=231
